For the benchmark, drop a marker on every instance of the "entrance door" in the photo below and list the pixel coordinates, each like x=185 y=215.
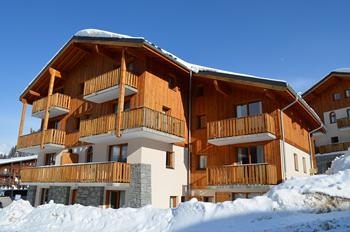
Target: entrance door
x=113 y=199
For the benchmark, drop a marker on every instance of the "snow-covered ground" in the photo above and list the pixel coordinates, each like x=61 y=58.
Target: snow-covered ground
x=317 y=203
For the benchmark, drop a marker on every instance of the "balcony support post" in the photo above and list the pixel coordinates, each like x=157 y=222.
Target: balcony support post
x=53 y=73
x=23 y=116
x=121 y=94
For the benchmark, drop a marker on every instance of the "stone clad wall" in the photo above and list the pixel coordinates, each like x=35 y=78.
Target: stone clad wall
x=59 y=194
x=90 y=196
x=140 y=191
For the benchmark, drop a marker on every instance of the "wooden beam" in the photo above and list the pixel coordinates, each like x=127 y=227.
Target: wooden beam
x=32 y=92
x=55 y=73
x=21 y=124
x=121 y=94
x=48 y=101
x=216 y=85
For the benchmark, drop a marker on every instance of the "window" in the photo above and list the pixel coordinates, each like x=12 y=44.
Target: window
x=304 y=165
x=251 y=109
x=73 y=198
x=199 y=91
x=126 y=106
x=334 y=139
x=332 y=117
x=44 y=196
x=169 y=160
x=347 y=93
x=173 y=202
x=251 y=155
x=50 y=159
x=348 y=113
x=296 y=163
x=118 y=153
x=336 y=96
x=166 y=110
x=202 y=162
x=201 y=121
x=131 y=66
x=89 y=154
x=81 y=88
x=115 y=199
x=171 y=83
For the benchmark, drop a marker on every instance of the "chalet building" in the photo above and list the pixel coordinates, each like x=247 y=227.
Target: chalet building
x=330 y=97
x=10 y=170
x=126 y=123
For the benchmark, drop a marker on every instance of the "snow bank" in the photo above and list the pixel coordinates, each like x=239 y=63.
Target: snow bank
x=341 y=163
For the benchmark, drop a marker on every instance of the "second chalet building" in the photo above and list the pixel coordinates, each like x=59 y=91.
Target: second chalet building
x=125 y=123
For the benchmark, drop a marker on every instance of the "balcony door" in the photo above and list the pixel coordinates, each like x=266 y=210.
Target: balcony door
x=115 y=199
x=250 y=154
x=250 y=109
x=118 y=153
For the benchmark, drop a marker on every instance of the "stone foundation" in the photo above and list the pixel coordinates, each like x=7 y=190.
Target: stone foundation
x=90 y=196
x=59 y=194
x=140 y=191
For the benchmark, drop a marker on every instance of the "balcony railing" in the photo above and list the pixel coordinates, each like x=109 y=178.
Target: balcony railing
x=333 y=147
x=263 y=123
x=140 y=117
x=264 y=174
x=86 y=173
x=57 y=100
x=343 y=122
x=52 y=136
x=107 y=80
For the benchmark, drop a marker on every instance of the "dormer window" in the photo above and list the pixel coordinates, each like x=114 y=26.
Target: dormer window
x=336 y=96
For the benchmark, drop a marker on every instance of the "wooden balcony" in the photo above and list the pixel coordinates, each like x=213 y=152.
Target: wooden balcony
x=343 y=123
x=137 y=123
x=241 y=130
x=333 y=147
x=54 y=140
x=105 y=87
x=110 y=172
x=262 y=174
x=59 y=105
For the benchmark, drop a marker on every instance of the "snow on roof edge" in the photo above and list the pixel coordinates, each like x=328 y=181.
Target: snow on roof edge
x=18 y=159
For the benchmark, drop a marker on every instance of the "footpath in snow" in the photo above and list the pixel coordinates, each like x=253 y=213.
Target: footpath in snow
x=316 y=203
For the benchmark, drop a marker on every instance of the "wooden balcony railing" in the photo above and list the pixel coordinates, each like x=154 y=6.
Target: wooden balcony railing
x=343 y=122
x=241 y=126
x=57 y=100
x=107 y=80
x=52 y=136
x=86 y=173
x=140 y=117
x=242 y=174
x=333 y=147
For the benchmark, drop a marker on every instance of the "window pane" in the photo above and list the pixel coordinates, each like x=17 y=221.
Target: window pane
x=260 y=154
x=243 y=155
x=255 y=108
x=124 y=153
x=336 y=96
x=114 y=153
x=202 y=161
x=241 y=111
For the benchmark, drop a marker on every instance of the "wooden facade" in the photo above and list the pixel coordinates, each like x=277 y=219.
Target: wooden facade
x=10 y=170
x=161 y=102
x=57 y=100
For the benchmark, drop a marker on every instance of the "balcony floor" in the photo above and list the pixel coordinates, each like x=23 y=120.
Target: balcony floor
x=109 y=94
x=54 y=112
x=48 y=148
x=242 y=139
x=141 y=132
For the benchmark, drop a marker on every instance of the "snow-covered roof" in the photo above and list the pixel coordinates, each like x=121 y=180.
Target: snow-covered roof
x=342 y=70
x=18 y=159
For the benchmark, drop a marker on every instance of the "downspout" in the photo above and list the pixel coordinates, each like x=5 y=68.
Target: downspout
x=189 y=136
x=311 y=132
x=283 y=142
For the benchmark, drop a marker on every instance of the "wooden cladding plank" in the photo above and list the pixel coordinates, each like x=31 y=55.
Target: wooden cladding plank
x=107 y=80
x=52 y=136
x=57 y=100
x=343 y=122
x=85 y=173
x=241 y=126
x=242 y=174
x=334 y=147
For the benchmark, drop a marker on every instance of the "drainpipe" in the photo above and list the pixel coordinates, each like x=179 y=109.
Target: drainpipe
x=189 y=136
x=283 y=142
x=311 y=132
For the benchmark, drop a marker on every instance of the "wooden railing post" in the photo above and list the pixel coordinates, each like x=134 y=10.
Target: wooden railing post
x=121 y=94
x=53 y=73
x=21 y=124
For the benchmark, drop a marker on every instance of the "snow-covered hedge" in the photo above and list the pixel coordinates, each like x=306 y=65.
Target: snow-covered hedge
x=341 y=163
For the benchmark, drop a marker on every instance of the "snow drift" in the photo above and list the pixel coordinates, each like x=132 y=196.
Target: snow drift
x=341 y=163
x=298 y=203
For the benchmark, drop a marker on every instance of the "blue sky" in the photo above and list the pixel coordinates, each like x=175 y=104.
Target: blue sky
x=297 y=41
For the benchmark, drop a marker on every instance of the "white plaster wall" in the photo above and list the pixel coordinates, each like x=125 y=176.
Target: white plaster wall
x=290 y=168
x=332 y=129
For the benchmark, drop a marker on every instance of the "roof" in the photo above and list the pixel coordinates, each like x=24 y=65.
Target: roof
x=100 y=35
x=324 y=79
x=18 y=159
